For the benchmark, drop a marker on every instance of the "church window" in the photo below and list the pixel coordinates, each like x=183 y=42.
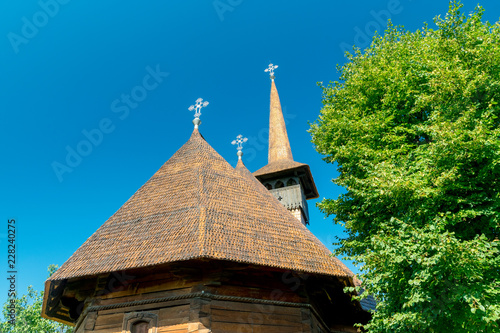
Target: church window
x=140 y=322
x=279 y=184
x=268 y=186
x=291 y=182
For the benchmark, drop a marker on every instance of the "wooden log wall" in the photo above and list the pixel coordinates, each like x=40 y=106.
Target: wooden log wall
x=194 y=299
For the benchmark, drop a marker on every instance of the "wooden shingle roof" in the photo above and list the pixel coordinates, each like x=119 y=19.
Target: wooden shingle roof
x=279 y=145
x=197 y=206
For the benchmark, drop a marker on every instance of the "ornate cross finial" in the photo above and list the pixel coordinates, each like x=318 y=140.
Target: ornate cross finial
x=197 y=106
x=239 y=144
x=271 y=69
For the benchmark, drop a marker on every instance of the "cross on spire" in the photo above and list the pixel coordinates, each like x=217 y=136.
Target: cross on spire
x=239 y=144
x=197 y=107
x=271 y=69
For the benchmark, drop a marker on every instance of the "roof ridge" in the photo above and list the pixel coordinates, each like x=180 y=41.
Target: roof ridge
x=203 y=214
x=201 y=195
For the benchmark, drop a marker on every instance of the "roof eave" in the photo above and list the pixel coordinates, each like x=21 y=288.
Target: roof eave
x=313 y=194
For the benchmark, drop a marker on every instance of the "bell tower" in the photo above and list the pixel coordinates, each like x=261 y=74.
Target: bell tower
x=289 y=181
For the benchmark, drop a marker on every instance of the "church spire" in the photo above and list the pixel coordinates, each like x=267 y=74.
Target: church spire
x=279 y=146
x=290 y=182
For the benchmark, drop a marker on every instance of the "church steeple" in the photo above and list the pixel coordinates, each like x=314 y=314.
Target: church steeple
x=289 y=181
x=279 y=146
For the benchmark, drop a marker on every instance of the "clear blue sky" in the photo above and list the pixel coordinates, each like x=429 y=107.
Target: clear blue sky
x=67 y=67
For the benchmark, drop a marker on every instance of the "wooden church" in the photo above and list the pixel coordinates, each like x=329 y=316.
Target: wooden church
x=205 y=247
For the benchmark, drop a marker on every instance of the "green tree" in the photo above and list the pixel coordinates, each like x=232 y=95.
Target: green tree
x=28 y=314
x=413 y=125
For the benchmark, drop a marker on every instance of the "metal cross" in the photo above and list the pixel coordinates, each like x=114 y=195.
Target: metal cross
x=199 y=104
x=239 y=142
x=271 y=69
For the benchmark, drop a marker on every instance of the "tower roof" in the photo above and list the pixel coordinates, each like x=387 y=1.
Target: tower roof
x=280 y=159
x=279 y=145
x=197 y=206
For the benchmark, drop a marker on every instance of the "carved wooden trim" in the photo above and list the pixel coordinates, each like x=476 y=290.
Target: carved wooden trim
x=194 y=295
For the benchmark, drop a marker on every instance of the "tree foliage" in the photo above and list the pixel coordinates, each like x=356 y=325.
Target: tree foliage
x=413 y=125
x=28 y=314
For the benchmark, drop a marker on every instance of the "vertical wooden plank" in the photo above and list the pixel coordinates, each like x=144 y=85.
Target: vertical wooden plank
x=200 y=311
x=307 y=322
x=90 y=321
